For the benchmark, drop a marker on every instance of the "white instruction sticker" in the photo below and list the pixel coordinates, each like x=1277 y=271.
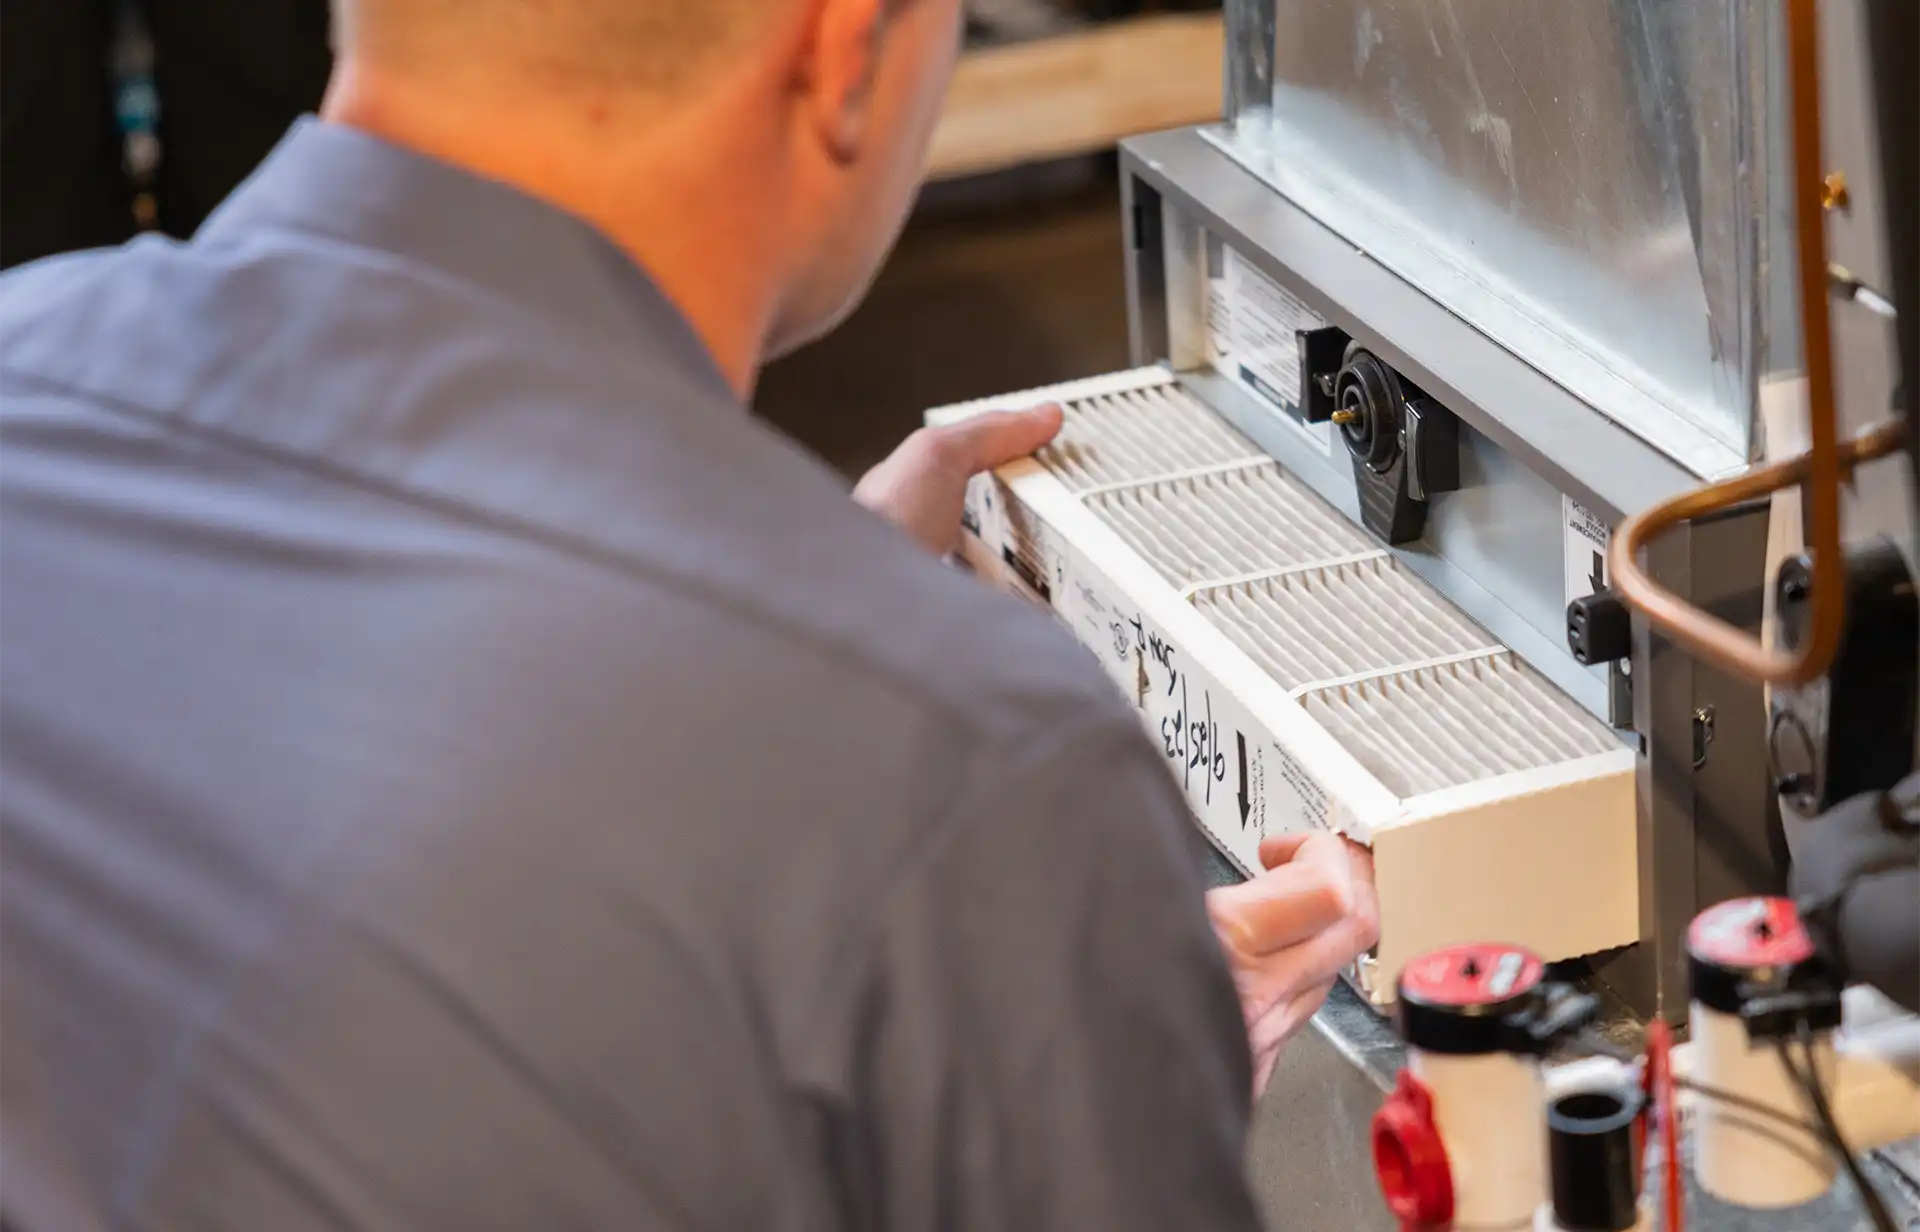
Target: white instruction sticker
x=1299 y=802
x=1253 y=327
x=1586 y=549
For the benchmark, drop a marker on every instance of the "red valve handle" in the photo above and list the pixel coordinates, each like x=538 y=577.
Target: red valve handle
x=1410 y=1160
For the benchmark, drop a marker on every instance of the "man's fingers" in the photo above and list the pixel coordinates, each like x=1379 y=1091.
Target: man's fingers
x=1281 y=848
x=1362 y=858
x=1285 y=1018
x=1279 y=1024
x=1281 y=907
x=1325 y=880
x=1289 y=932
x=995 y=438
x=921 y=487
x=1281 y=977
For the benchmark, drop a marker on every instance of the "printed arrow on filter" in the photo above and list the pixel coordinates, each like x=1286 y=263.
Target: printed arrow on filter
x=1246 y=806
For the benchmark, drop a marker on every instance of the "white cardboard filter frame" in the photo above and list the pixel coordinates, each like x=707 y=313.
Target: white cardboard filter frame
x=1486 y=860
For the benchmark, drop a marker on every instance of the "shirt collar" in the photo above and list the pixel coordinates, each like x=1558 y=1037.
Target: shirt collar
x=334 y=181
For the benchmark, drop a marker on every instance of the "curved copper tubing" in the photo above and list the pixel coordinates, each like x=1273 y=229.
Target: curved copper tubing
x=1706 y=635
x=1817 y=471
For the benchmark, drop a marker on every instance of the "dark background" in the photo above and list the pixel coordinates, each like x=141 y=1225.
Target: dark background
x=117 y=115
x=998 y=285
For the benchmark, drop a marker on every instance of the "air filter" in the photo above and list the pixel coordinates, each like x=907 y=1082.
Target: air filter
x=1338 y=619
x=1229 y=523
x=1296 y=676
x=1428 y=728
x=1132 y=434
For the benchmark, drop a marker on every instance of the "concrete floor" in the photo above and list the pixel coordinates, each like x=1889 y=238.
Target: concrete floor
x=997 y=285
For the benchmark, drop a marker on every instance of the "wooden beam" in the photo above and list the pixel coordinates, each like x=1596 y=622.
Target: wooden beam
x=1077 y=93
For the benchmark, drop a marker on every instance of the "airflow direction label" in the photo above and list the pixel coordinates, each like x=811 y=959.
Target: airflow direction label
x=1586 y=538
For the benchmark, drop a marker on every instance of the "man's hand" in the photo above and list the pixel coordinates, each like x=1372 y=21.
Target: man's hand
x=1289 y=932
x=922 y=486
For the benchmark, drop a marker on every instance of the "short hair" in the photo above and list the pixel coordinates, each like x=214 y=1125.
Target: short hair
x=597 y=44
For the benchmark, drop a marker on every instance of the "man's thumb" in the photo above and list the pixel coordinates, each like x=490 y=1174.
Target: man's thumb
x=995 y=438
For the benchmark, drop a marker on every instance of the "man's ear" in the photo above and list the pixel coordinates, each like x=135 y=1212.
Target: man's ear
x=844 y=62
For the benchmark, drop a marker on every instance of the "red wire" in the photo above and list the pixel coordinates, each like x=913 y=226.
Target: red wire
x=1665 y=1108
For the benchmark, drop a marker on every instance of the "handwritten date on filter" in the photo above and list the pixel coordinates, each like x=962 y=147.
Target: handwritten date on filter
x=1194 y=741
x=1191 y=741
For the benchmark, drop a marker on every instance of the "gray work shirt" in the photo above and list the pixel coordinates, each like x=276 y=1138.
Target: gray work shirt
x=461 y=772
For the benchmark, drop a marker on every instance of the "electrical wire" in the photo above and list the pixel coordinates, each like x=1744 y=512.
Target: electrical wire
x=1661 y=1082
x=1811 y=1086
x=1752 y=1107
x=1602 y=1047
x=1664 y=1103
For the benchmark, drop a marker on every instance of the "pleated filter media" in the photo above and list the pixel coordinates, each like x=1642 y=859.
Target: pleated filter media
x=1222 y=524
x=1427 y=728
x=1296 y=675
x=1132 y=434
x=1340 y=620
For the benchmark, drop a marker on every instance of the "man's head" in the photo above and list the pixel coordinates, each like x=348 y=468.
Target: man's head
x=757 y=157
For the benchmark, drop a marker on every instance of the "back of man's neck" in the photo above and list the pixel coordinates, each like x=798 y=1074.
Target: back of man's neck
x=660 y=193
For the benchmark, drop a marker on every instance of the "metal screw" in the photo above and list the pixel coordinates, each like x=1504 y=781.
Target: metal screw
x=1346 y=417
x=1834 y=193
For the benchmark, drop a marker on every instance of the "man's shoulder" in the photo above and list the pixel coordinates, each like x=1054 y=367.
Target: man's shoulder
x=793 y=563
x=988 y=657
x=31 y=293
x=606 y=458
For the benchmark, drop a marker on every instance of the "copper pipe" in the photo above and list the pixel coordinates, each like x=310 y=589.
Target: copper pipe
x=1699 y=632
x=1817 y=471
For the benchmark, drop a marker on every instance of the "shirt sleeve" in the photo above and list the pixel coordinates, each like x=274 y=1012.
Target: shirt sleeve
x=1043 y=1034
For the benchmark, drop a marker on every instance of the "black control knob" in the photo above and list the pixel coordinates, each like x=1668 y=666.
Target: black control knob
x=1599 y=629
x=1366 y=404
x=1405 y=446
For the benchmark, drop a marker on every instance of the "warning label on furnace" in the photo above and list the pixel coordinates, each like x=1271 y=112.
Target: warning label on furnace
x=1586 y=539
x=1253 y=328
